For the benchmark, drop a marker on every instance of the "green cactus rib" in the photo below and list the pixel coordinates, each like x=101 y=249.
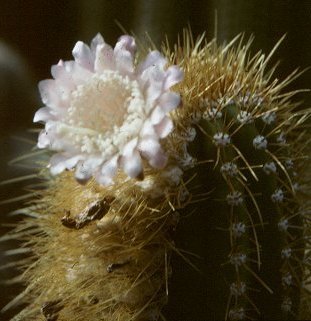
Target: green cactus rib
x=248 y=262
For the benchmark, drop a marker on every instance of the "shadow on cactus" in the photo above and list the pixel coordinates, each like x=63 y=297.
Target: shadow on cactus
x=181 y=188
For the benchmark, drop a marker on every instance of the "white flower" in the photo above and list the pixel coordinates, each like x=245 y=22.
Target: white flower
x=103 y=113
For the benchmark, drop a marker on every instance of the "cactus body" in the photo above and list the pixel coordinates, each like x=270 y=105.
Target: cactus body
x=219 y=233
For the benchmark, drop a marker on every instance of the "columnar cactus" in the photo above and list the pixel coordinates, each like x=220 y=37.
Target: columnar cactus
x=189 y=213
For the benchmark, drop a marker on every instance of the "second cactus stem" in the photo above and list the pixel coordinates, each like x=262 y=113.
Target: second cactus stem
x=244 y=238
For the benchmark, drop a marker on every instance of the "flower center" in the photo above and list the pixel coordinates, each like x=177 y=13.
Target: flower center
x=104 y=114
x=101 y=103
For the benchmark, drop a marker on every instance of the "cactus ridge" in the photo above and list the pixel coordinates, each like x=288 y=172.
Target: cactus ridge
x=221 y=233
x=251 y=131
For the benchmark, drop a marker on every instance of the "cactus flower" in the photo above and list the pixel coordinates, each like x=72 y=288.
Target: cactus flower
x=102 y=112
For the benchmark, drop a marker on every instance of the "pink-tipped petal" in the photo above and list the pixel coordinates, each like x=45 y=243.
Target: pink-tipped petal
x=154 y=58
x=97 y=41
x=151 y=149
x=85 y=168
x=79 y=75
x=104 y=58
x=57 y=164
x=48 y=92
x=148 y=129
x=164 y=128
x=169 y=101
x=123 y=53
x=154 y=91
x=43 y=114
x=130 y=147
x=157 y=115
x=60 y=162
x=109 y=169
x=83 y=55
x=126 y=43
x=174 y=75
x=83 y=173
x=132 y=164
x=44 y=140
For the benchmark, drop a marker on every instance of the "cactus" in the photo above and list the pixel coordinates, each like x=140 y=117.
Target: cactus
x=218 y=231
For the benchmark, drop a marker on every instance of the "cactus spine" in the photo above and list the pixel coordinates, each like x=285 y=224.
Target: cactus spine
x=219 y=233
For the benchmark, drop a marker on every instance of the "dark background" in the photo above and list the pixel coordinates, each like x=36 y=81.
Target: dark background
x=40 y=32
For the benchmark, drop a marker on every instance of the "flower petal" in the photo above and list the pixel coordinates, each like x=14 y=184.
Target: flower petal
x=174 y=75
x=123 y=53
x=151 y=149
x=86 y=168
x=126 y=43
x=96 y=41
x=83 y=55
x=132 y=164
x=79 y=75
x=154 y=58
x=104 y=58
x=59 y=162
x=157 y=115
x=107 y=172
x=165 y=127
x=129 y=148
x=48 y=92
x=148 y=129
x=169 y=101
x=44 y=114
x=44 y=140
